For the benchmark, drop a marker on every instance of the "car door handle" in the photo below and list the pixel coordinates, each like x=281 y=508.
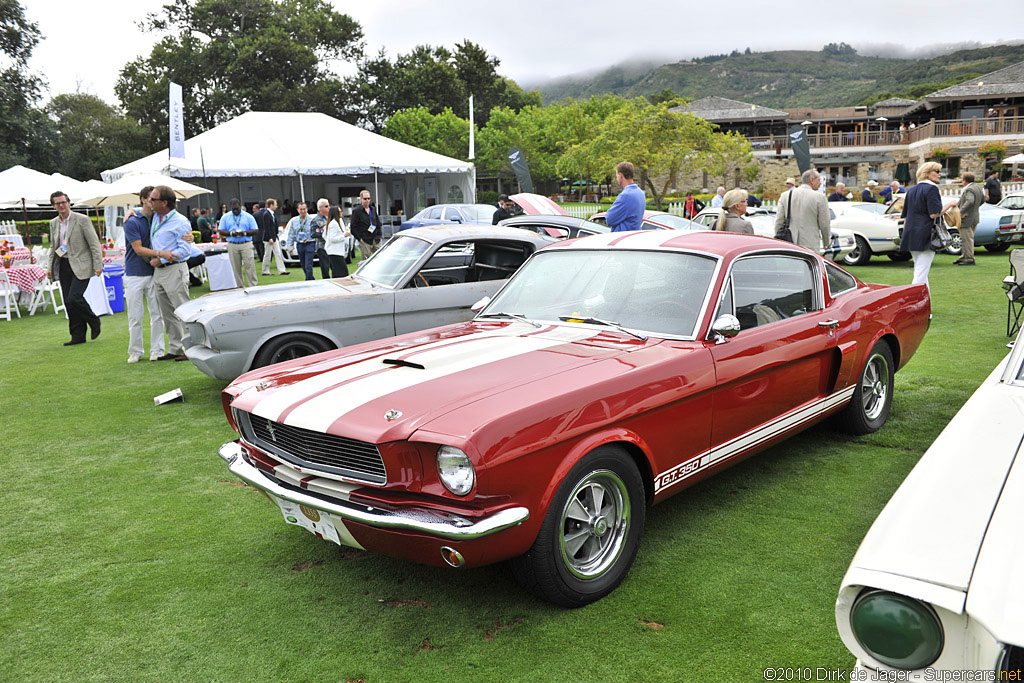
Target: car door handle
x=831 y=324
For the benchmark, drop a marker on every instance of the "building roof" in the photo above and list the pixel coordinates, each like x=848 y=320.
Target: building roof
x=830 y=114
x=713 y=108
x=895 y=102
x=1005 y=81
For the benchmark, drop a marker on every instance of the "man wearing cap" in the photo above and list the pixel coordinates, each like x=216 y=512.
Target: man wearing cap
x=868 y=195
x=970 y=203
x=790 y=183
x=238 y=228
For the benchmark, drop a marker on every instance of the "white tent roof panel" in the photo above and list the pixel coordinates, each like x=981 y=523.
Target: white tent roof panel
x=258 y=144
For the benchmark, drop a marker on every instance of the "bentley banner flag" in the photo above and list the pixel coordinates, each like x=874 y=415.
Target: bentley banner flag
x=801 y=147
x=522 y=171
x=177 y=125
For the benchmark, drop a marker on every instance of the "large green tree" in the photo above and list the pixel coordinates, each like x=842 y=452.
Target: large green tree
x=435 y=78
x=25 y=132
x=444 y=133
x=233 y=56
x=92 y=136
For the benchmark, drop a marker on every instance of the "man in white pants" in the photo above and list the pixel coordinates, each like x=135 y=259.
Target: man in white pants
x=170 y=277
x=271 y=245
x=138 y=283
x=239 y=228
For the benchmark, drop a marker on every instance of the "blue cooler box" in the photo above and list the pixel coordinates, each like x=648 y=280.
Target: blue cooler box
x=113 y=279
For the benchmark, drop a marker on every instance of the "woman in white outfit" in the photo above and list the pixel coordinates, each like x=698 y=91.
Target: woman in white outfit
x=336 y=234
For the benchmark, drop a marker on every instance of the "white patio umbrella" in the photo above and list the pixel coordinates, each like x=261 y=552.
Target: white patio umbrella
x=1015 y=159
x=125 y=190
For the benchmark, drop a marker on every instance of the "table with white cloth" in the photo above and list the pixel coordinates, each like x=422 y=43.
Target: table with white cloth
x=96 y=295
x=219 y=273
x=15 y=239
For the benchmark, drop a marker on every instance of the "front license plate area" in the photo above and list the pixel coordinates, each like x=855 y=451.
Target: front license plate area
x=311 y=519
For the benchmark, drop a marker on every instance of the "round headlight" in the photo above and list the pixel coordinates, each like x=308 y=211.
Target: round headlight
x=455 y=470
x=898 y=631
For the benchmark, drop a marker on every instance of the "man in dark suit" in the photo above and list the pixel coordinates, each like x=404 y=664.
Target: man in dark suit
x=75 y=257
x=257 y=241
x=267 y=222
x=365 y=225
x=502 y=213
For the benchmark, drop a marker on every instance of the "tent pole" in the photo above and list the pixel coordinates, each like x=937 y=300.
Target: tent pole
x=24 y=211
x=302 y=189
x=375 y=196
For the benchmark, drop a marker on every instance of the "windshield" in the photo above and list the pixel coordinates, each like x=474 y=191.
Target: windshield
x=675 y=222
x=657 y=292
x=393 y=261
x=478 y=212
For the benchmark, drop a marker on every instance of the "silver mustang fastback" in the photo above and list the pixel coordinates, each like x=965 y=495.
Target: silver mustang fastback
x=422 y=278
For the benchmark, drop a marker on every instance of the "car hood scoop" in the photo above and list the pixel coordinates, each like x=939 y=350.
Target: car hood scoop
x=351 y=394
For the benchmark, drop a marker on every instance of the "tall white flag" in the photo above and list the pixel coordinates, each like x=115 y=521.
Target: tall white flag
x=177 y=125
x=472 y=142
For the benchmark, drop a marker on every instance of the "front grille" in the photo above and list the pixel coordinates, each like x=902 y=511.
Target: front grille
x=1013 y=660
x=316 y=450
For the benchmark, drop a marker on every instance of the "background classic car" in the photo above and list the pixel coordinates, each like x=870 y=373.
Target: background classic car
x=936 y=584
x=421 y=278
x=610 y=372
x=763 y=221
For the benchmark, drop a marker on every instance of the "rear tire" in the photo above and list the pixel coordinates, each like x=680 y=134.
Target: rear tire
x=956 y=247
x=590 y=534
x=290 y=346
x=861 y=254
x=997 y=247
x=899 y=256
x=872 y=399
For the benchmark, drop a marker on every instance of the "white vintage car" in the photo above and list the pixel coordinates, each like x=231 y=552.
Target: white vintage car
x=763 y=221
x=937 y=586
x=875 y=227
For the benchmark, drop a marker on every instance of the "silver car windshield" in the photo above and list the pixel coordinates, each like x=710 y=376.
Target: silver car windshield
x=389 y=265
x=659 y=293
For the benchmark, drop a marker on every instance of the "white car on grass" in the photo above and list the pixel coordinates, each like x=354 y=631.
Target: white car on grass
x=763 y=221
x=876 y=232
x=936 y=588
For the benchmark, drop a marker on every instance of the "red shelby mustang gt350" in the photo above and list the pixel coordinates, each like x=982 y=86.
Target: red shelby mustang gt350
x=608 y=374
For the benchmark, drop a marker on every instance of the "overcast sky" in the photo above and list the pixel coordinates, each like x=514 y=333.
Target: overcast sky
x=85 y=44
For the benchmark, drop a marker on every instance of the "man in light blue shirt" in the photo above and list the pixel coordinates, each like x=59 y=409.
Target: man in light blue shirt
x=719 y=198
x=238 y=228
x=300 y=235
x=167 y=231
x=628 y=210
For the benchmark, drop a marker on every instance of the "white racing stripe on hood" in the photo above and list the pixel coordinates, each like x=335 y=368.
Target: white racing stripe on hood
x=321 y=412
x=284 y=397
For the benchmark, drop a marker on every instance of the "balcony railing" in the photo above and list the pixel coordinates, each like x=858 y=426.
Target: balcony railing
x=1008 y=125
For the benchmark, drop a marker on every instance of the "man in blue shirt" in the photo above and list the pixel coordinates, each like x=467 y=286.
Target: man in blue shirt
x=889 y=193
x=238 y=228
x=167 y=231
x=628 y=210
x=138 y=283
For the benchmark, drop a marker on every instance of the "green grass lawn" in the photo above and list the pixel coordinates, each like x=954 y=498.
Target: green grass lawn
x=128 y=552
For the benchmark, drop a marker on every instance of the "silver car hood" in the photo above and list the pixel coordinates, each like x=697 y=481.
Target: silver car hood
x=236 y=300
x=945 y=527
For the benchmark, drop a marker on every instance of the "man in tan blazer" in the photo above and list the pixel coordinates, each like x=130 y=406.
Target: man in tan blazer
x=809 y=221
x=74 y=257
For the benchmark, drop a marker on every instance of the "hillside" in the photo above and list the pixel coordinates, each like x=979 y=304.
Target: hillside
x=790 y=78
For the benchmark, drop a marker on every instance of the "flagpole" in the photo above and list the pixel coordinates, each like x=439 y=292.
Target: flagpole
x=472 y=141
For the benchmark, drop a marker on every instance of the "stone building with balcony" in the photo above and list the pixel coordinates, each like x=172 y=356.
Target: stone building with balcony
x=885 y=141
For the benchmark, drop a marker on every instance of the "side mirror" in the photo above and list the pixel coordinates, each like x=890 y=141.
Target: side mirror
x=455 y=219
x=725 y=327
x=479 y=305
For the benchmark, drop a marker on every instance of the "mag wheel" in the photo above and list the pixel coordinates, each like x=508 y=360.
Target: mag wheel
x=861 y=254
x=290 y=346
x=590 y=534
x=872 y=397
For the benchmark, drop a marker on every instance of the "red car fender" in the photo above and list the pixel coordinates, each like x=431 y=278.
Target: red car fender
x=580 y=449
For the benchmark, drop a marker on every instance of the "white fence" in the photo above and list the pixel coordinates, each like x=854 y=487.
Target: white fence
x=8 y=228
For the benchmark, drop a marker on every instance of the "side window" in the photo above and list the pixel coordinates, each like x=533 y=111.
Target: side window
x=451 y=214
x=767 y=289
x=648 y=226
x=839 y=281
x=434 y=213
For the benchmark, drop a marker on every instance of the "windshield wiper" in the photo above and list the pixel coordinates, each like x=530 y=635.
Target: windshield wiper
x=517 y=316
x=598 y=321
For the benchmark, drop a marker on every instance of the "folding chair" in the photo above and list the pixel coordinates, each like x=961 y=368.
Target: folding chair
x=1014 y=286
x=39 y=297
x=9 y=295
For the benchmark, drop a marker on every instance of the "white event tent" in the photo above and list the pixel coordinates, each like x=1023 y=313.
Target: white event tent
x=302 y=155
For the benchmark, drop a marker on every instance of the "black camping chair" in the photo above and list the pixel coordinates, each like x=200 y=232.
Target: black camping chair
x=1014 y=286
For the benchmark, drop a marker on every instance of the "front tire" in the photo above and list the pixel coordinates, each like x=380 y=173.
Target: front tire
x=590 y=534
x=872 y=399
x=861 y=254
x=288 y=347
x=956 y=247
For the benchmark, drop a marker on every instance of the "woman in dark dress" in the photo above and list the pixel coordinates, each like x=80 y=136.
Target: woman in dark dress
x=922 y=205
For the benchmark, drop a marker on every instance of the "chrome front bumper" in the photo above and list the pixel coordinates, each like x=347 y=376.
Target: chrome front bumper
x=450 y=527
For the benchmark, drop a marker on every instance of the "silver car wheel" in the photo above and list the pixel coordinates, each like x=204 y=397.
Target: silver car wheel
x=594 y=524
x=875 y=386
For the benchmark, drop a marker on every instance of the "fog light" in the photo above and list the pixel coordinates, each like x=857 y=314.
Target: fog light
x=898 y=631
x=452 y=556
x=455 y=470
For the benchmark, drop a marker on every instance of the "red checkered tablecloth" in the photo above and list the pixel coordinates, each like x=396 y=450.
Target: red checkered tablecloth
x=21 y=253
x=26 y=278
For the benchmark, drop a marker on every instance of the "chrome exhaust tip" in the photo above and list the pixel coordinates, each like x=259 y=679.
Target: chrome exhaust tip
x=452 y=557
